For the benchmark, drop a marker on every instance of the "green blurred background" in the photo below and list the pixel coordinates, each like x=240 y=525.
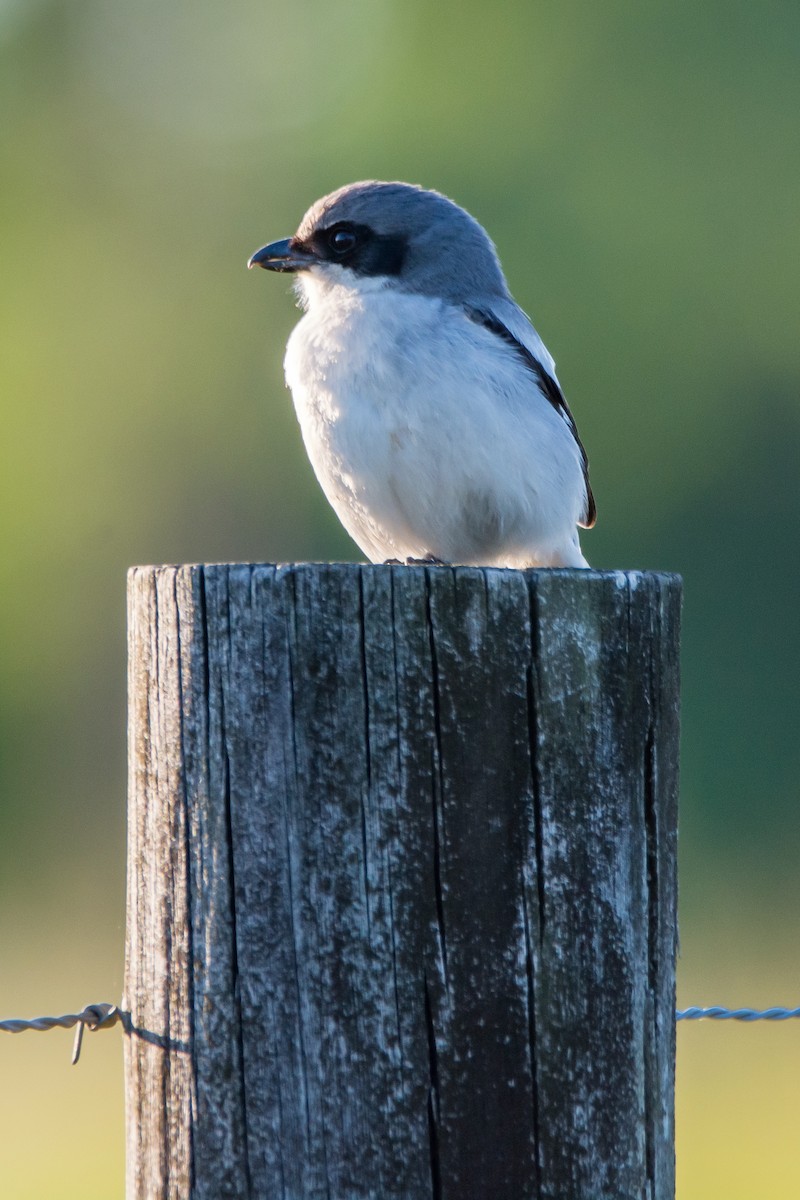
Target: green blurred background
x=638 y=166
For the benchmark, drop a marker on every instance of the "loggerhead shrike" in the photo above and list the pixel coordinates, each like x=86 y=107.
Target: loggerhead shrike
x=428 y=404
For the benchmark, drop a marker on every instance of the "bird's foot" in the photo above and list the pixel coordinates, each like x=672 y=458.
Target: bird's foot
x=428 y=561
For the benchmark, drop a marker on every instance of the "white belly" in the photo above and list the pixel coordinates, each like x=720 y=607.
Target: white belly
x=428 y=436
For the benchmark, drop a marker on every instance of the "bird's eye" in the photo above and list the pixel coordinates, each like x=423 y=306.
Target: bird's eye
x=341 y=240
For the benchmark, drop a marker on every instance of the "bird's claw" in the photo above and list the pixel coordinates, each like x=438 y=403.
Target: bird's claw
x=428 y=561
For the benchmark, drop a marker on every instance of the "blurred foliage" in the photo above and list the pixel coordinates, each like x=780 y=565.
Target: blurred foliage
x=637 y=166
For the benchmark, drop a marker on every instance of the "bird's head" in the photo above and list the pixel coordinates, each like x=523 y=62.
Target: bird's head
x=373 y=234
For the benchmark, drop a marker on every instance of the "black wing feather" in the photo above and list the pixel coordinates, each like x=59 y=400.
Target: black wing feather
x=549 y=389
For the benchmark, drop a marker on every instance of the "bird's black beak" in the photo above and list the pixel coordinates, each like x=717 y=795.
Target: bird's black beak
x=282 y=256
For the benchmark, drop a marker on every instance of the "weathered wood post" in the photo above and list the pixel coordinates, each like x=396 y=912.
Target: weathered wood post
x=402 y=883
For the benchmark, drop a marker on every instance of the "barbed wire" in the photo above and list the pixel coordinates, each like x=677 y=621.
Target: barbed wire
x=105 y=1016
x=92 y=1017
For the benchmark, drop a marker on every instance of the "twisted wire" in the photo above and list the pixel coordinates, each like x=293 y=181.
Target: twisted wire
x=92 y=1017
x=105 y=1016
x=717 y=1013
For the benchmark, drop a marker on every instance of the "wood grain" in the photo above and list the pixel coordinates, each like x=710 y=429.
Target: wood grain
x=402 y=883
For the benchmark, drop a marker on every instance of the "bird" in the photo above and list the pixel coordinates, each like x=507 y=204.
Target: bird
x=428 y=404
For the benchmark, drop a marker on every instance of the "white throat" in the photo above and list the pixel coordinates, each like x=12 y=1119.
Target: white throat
x=334 y=284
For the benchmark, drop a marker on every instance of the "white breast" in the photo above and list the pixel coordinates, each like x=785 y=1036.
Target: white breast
x=427 y=433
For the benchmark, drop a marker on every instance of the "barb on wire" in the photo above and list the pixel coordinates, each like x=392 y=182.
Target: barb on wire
x=92 y=1017
x=736 y=1014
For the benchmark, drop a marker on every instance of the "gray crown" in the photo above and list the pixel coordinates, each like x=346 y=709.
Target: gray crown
x=447 y=253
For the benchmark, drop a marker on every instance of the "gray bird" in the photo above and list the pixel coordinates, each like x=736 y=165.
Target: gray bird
x=428 y=404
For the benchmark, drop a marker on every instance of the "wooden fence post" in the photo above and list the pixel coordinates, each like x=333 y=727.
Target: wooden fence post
x=402 y=883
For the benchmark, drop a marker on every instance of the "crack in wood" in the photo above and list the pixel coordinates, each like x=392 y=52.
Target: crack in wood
x=434 y=1109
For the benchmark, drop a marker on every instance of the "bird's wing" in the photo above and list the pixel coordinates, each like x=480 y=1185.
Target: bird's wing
x=507 y=321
